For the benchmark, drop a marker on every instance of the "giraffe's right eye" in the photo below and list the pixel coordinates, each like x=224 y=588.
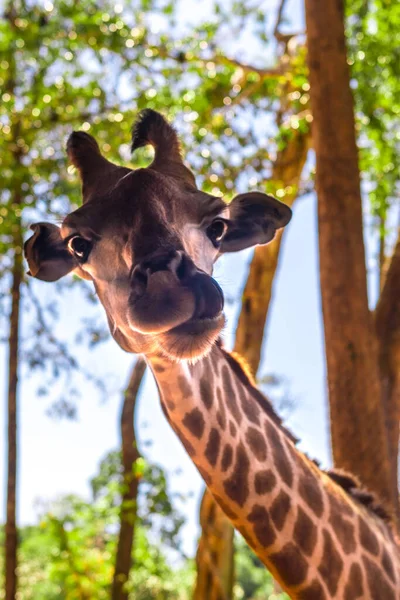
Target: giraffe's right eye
x=79 y=247
x=216 y=231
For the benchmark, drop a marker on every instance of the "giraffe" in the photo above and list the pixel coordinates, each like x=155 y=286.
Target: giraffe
x=148 y=239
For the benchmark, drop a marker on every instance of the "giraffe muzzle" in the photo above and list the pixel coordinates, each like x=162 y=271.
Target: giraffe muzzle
x=168 y=291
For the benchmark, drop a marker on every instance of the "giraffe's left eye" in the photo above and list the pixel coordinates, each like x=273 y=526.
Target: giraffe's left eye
x=80 y=247
x=216 y=231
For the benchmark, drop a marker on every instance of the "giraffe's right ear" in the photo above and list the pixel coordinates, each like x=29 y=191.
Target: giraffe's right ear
x=47 y=254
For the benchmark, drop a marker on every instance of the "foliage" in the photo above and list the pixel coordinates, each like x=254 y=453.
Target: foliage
x=374 y=56
x=70 y=554
x=93 y=66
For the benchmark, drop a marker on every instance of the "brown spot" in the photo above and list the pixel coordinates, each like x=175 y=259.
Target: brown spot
x=251 y=409
x=209 y=578
x=225 y=508
x=256 y=443
x=354 y=587
x=305 y=532
x=206 y=393
x=187 y=445
x=194 y=422
x=263 y=529
x=227 y=457
x=219 y=395
x=279 y=509
x=314 y=591
x=213 y=446
x=290 y=564
x=221 y=420
x=378 y=586
x=331 y=564
x=264 y=481
x=230 y=395
x=311 y=494
x=205 y=475
x=184 y=386
x=211 y=512
x=166 y=413
x=387 y=564
x=343 y=529
x=221 y=413
x=281 y=459
x=340 y=505
x=242 y=530
x=159 y=368
x=170 y=403
x=232 y=428
x=237 y=486
x=368 y=538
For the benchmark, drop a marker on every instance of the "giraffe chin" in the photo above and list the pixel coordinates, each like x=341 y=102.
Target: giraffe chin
x=191 y=340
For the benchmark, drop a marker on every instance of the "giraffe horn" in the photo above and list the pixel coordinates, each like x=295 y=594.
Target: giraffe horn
x=96 y=172
x=151 y=128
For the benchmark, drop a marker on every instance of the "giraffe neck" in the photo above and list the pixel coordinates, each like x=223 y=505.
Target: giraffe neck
x=314 y=538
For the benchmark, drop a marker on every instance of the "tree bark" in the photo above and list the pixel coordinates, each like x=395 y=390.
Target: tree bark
x=130 y=454
x=357 y=416
x=215 y=553
x=11 y=536
x=387 y=323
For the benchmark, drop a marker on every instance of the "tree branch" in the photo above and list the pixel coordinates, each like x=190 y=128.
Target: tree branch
x=279 y=17
x=267 y=73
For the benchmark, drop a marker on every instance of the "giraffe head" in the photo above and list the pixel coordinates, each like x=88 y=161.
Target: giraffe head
x=148 y=239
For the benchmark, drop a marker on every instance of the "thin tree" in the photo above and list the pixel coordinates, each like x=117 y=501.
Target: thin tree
x=130 y=455
x=11 y=541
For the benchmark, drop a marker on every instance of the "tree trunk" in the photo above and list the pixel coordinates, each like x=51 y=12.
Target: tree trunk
x=257 y=292
x=11 y=535
x=214 y=559
x=387 y=323
x=357 y=415
x=130 y=454
x=215 y=553
x=11 y=539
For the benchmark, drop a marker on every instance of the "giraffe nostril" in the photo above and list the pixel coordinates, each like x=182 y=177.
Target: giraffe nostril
x=209 y=297
x=139 y=280
x=185 y=268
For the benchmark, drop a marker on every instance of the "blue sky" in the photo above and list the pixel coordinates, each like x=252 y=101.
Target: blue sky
x=58 y=457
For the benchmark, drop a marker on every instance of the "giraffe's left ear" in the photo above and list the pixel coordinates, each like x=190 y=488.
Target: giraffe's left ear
x=254 y=219
x=46 y=253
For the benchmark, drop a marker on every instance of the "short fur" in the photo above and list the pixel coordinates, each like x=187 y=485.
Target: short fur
x=348 y=482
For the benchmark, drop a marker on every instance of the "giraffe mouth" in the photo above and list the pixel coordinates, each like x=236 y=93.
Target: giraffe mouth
x=193 y=339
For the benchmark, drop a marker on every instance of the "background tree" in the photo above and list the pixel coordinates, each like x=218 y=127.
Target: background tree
x=131 y=478
x=359 y=388
x=71 y=552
